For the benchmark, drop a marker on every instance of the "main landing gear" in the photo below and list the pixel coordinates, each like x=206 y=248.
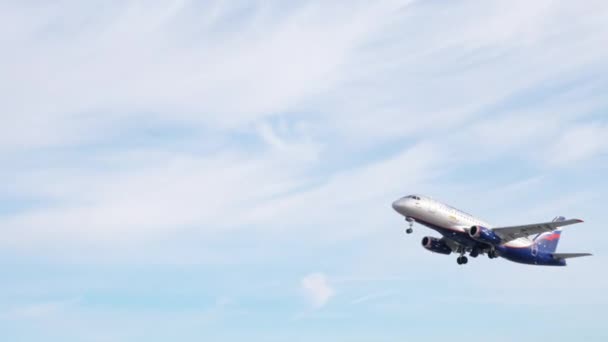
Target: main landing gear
x=461 y=260
x=474 y=253
x=410 y=220
x=492 y=254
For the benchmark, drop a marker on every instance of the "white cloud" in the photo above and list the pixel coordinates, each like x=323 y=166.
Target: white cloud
x=165 y=194
x=317 y=289
x=162 y=194
x=208 y=68
x=366 y=73
x=321 y=86
x=579 y=142
x=360 y=68
x=417 y=82
x=299 y=146
x=302 y=124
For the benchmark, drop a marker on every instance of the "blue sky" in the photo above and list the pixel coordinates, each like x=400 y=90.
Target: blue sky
x=223 y=171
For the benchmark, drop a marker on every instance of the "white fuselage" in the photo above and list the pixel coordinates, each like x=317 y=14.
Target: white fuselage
x=429 y=212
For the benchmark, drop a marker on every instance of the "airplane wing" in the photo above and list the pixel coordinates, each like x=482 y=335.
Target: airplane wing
x=451 y=243
x=569 y=255
x=456 y=245
x=507 y=234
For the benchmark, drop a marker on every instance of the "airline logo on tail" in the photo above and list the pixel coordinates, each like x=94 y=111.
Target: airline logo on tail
x=547 y=242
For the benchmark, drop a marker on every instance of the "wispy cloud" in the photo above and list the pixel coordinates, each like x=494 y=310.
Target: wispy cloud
x=173 y=132
x=41 y=310
x=373 y=296
x=226 y=67
x=579 y=142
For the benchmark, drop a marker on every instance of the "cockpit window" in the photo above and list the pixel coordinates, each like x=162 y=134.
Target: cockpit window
x=413 y=197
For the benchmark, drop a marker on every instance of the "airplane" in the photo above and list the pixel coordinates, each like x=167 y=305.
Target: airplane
x=463 y=233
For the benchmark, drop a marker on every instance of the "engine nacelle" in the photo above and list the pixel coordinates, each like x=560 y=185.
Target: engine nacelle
x=485 y=235
x=435 y=245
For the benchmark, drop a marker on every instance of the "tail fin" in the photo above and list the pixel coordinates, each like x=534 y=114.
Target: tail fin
x=547 y=242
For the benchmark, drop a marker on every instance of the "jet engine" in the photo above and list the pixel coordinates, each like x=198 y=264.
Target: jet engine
x=485 y=235
x=435 y=245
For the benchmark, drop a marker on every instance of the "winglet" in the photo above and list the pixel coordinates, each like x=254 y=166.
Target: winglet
x=562 y=219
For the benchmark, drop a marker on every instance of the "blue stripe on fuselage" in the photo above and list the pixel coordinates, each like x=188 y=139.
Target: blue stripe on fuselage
x=527 y=255
x=523 y=255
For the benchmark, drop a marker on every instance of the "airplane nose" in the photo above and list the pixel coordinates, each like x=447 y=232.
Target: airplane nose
x=399 y=205
x=396 y=204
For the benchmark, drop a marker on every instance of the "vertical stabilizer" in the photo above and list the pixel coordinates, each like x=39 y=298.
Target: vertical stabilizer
x=547 y=242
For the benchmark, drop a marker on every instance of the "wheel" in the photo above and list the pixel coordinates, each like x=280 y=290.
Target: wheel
x=459 y=260
x=474 y=253
x=409 y=230
x=464 y=260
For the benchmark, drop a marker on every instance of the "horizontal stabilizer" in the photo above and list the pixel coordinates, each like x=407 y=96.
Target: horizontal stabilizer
x=569 y=255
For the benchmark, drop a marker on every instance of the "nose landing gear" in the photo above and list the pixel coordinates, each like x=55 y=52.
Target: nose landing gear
x=409 y=230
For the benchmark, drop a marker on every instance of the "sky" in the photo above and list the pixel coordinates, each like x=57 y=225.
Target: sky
x=224 y=170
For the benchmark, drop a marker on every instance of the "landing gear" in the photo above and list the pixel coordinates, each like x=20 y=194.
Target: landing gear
x=474 y=253
x=410 y=220
x=461 y=260
x=492 y=254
